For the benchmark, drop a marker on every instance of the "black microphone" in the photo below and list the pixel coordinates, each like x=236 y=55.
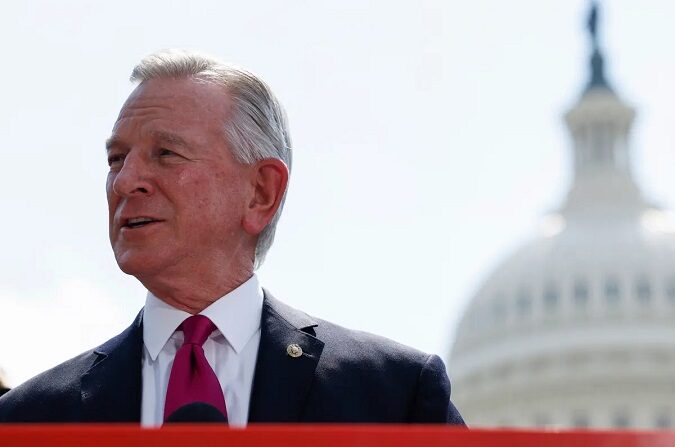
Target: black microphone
x=196 y=412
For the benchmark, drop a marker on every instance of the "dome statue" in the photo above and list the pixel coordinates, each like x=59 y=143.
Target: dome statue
x=577 y=327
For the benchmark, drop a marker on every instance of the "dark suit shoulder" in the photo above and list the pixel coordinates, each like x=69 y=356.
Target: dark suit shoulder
x=345 y=342
x=343 y=375
x=370 y=378
x=56 y=394
x=48 y=395
x=350 y=345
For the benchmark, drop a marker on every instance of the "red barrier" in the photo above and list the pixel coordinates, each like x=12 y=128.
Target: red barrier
x=316 y=435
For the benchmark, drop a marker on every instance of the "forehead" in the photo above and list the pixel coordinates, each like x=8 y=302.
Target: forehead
x=180 y=102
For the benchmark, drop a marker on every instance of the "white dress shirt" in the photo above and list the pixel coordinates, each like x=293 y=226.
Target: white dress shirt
x=231 y=350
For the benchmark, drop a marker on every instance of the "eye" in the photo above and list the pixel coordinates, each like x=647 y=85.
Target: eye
x=115 y=160
x=163 y=152
x=169 y=156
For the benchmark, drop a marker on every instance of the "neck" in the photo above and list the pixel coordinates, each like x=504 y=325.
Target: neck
x=194 y=293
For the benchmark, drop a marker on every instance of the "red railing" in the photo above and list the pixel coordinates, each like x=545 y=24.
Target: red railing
x=317 y=436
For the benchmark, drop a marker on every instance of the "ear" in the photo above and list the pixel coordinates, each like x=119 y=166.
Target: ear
x=269 y=178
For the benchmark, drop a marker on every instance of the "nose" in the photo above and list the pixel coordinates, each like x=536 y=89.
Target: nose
x=134 y=177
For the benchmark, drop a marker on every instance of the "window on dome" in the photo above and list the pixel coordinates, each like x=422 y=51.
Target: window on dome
x=612 y=294
x=643 y=290
x=663 y=421
x=621 y=420
x=581 y=420
x=670 y=290
x=542 y=421
x=499 y=310
x=504 y=423
x=581 y=293
x=524 y=303
x=551 y=297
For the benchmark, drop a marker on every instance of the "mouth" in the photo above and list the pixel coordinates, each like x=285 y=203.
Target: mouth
x=139 y=222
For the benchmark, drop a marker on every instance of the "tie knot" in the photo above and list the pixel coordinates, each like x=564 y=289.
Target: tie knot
x=197 y=329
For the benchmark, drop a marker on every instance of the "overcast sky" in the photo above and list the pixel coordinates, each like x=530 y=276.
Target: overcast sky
x=427 y=142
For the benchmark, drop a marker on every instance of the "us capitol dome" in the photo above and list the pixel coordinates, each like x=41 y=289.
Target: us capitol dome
x=577 y=327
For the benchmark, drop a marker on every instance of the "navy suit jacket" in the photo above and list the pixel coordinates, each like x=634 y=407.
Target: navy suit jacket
x=341 y=376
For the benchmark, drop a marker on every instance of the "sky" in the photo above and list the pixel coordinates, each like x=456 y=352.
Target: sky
x=427 y=141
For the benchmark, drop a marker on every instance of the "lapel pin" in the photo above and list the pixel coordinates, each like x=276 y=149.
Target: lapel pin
x=294 y=350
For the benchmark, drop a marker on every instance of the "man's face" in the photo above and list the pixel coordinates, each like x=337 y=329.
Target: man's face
x=176 y=195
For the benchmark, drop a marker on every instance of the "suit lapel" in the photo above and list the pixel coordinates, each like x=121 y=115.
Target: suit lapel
x=282 y=382
x=111 y=388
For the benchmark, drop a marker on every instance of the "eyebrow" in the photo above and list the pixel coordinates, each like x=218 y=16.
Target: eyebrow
x=159 y=135
x=168 y=137
x=113 y=142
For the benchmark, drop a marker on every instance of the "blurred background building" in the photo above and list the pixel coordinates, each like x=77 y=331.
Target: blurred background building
x=577 y=327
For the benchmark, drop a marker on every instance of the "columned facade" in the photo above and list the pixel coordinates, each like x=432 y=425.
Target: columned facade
x=577 y=327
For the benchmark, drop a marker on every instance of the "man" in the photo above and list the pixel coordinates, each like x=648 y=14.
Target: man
x=199 y=163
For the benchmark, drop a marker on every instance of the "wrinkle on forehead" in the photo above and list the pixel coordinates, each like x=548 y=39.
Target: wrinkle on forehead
x=172 y=104
x=191 y=94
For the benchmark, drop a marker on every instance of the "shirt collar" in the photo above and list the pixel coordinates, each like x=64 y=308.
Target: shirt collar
x=236 y=315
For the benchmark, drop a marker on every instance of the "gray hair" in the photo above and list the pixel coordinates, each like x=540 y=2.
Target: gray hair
x=258 y=128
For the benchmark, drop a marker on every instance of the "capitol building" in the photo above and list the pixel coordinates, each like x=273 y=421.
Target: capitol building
x=577 y=327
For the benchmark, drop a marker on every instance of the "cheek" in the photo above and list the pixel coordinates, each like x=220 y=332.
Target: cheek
x=111 y=196
x=218 y=194
x=207 y=197
x=109 y=185
x=185 y=177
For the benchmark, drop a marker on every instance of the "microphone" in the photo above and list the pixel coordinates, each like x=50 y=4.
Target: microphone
x=196 y=412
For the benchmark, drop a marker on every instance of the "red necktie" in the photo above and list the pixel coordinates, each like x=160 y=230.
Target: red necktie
x=192 y=379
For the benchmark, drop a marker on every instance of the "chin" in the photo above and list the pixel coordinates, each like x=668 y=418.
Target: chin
x=135 y=264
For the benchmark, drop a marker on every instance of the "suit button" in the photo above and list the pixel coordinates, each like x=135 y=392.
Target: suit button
x=294 y=350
